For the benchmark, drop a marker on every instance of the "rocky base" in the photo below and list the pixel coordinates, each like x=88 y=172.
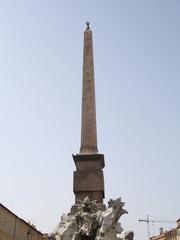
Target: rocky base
x=90 y=223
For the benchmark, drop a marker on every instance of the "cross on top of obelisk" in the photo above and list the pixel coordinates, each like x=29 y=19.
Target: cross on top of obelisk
x=87 y=23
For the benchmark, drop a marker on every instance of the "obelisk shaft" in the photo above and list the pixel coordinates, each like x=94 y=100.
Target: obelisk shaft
x=88 y=121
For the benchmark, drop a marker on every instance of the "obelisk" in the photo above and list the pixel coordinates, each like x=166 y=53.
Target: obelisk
x=88 y=177
x=88 y=120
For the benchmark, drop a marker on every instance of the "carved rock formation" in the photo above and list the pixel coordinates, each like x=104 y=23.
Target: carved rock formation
x=91 y=224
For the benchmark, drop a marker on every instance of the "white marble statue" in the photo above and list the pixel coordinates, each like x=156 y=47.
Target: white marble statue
x=88 y=223
x=65 y=228
x=109 y=226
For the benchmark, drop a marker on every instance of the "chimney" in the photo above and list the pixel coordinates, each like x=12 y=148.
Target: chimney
x=161 y=231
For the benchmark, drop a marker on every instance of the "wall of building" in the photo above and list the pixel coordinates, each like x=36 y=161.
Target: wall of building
x=173 y=234
x=14 y=228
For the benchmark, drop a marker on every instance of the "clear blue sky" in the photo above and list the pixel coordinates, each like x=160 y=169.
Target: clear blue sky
x=137 y=70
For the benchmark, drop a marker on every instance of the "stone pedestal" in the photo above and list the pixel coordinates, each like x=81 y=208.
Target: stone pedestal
x=88 y=177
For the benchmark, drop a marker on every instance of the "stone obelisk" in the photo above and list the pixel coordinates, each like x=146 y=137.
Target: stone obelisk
x=88 y=121
x=88 y=177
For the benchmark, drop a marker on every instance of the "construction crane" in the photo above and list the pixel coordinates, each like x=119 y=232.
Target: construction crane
x=148 y=221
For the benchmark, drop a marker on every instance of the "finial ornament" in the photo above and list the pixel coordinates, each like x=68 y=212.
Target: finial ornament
x=87 y=23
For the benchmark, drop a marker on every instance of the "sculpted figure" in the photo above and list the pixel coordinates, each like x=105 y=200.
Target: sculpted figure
x=90 y=224
x=117 y=205
x=86 y=220
x=65 y=229
x=109 y=226
x=129 y=235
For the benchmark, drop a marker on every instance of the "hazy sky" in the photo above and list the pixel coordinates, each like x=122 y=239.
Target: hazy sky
x=137 y=70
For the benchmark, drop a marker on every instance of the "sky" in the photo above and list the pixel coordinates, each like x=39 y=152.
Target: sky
x=137 y=70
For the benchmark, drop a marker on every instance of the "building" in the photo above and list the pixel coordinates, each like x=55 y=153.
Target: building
x=173 y=234
x=14 y=228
